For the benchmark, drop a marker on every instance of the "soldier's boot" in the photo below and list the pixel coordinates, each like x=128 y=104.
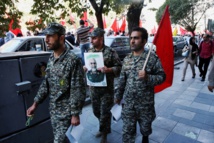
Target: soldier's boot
x=145 y=139
x=98 y=134
x=104 y=138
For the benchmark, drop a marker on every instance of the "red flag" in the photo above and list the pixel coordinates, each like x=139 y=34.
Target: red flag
x=71 y=18
x=183 y=31
x=114 y=26
x=31 y=21
x=140 y=23
x=11 y=24
x=104 y=23
x=164 y=50
x=85 y=17
x=62 y=22
x=123 y=25
x=153 y=31
x=40 y=21
x=15 y=31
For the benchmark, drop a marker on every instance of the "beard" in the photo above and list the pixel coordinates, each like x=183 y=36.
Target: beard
x=56 y=45
x=135 y=48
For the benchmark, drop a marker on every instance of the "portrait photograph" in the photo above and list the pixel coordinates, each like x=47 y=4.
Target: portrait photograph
x=94 y=61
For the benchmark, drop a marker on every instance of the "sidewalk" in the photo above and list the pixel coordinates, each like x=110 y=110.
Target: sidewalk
x=185 y=114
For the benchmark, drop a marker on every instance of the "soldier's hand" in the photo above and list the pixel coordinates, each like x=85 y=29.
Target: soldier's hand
x=32 y=109
x=210 y=88
x=142 y=74
x=75 y=120
x=85 y=69
x=117 y=101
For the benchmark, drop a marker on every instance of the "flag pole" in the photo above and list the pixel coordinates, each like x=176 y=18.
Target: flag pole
x=147 y=58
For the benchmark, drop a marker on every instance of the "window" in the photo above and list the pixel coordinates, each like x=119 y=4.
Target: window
x=117 y=42
x=32 y=45
x=125 y=41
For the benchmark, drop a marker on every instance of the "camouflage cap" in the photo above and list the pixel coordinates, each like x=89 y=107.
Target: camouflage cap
x=54 y=28
x=97 y=32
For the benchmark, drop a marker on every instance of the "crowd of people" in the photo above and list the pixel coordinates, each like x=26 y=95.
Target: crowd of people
x=202 y=52
x=65 y=83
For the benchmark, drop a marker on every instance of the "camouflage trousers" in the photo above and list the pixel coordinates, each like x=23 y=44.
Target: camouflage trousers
x=59 y=129
x=130 y=117
x=102 y=103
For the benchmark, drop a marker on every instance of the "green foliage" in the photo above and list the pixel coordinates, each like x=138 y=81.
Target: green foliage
x=7 y=13
x=48 y=11
x=186 y=13
x=160 y=11
x=53 y=10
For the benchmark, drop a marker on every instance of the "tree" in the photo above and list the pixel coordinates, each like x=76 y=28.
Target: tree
x=8 y=13
x=133 y=14
x=186 y=13
x=52 y=10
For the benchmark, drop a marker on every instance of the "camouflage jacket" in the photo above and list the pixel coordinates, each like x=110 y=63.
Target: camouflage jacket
x=138 y=91
x=64 y=83
x=111 y=60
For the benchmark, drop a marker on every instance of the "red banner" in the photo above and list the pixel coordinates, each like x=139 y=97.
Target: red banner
x=104 y=23
x=62 y=22
x=123 y=25
x=164 y=50
x=15 y=31
x=153 y=31
x=85 y=17
x=183 y=31
x=114 y=26
x=140 y=23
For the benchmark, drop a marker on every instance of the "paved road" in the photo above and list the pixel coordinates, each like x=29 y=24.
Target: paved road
x=185 y=114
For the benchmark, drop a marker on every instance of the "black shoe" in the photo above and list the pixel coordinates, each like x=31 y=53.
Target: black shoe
x=203 y=79
x=182 y=80
x=98 y=134
x=200 y=75
x=104 y=138
x=145 y=139
x=193 y=76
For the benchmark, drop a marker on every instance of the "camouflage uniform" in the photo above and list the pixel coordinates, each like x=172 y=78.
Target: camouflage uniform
x=103 y=97
x=138 y=94
x=64 y=83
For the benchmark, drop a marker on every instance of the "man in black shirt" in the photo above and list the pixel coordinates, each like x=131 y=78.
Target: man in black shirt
x=70 y=38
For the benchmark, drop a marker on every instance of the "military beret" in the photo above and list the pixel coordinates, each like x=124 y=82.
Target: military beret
x=54 y=28
x=97 y=32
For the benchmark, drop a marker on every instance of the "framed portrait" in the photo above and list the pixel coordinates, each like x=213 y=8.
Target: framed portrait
x=94 y=61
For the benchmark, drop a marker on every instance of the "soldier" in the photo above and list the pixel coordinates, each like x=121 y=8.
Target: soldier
x=102 y=98
x=136 y=87
x=63 y=83
x=94 y=75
